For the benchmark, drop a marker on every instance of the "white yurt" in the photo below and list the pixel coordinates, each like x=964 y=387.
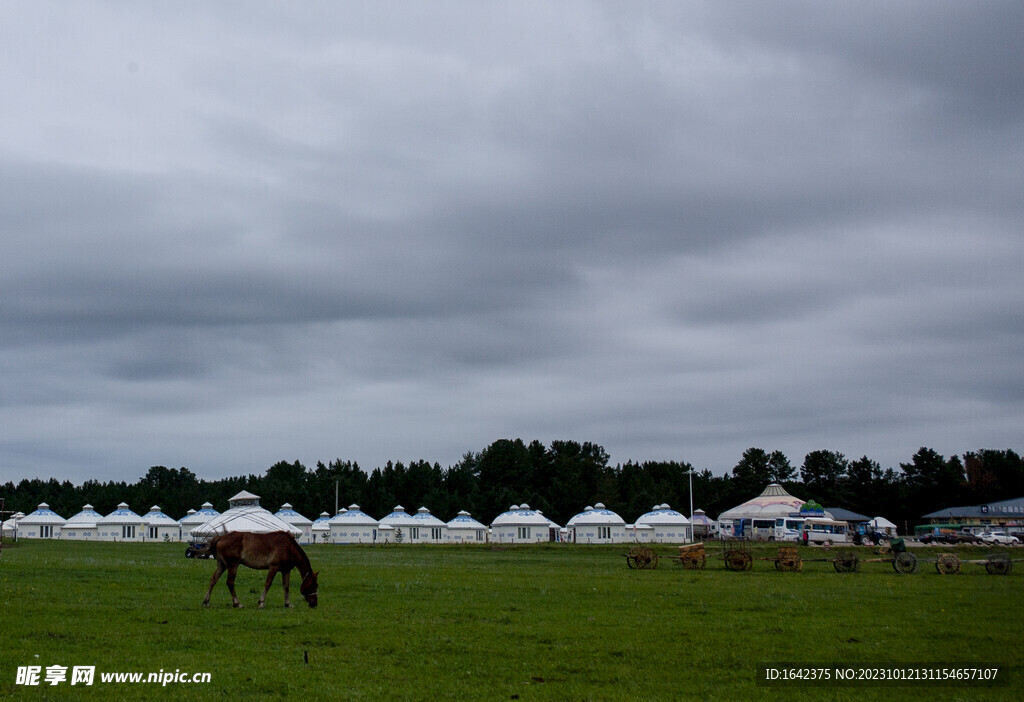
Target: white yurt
x=428 y=530
x=9 y=530
x=670 y=527
x=244 y=514
x=756 y=518
x=465 y=530
x=193 y=519
x=397 y=526
x=122 y=525
x=521 y=525
x=84 y=526
x=288 y=514
x=354 y=526
x=44 y=523
x=321 y=528
x=597 y=525
x=160 y=527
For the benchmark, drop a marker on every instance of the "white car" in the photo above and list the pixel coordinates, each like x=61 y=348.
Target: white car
x=998 y=537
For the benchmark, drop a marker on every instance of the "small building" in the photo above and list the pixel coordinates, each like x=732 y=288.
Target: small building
x=399 y=525
x=670 y=526
x=43 y=523
x=195 y=519
x=9 y=529
x=300 y=521
x=703 y=525
x=244 y=514
x=160 y=527
x=522 y=525
x=122 y=525
x=856 y=522
x=597 y=525
x=428 y=530
x=321 y=528
x=639 y=533
x=83 y=526
x=465 y=530
x=1004 y=514
x=881 y=525
x=354 y=526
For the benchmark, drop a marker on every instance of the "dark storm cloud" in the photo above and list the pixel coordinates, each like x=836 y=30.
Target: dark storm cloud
x=233 y=234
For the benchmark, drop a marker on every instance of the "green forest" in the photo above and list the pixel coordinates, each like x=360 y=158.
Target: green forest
x=560 y=479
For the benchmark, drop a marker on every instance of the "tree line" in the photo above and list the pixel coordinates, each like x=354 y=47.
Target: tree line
x=560 y=479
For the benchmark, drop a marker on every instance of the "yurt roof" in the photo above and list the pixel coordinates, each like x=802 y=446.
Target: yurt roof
x=322 y=523
x=243 y=499
x=42 y=515
x=154 y=517
x=122 y=515
x=773 y=502
x=86 y=519
x=194 y=518
x=249 y=518
x=699 y=517
x=464 y=521
x=882 y=523
x=424 y=518
x=663 y=515
x=521 y=515
x=291 y=516
x=399 y=518
x=354 y=516
x=598 y=515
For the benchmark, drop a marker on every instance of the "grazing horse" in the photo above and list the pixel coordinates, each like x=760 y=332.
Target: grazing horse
x=276 y=551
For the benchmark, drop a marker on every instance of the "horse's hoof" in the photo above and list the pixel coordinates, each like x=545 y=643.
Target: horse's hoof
x=239 y=605
x=259 y=606
x=206 y=603
x=287 y=605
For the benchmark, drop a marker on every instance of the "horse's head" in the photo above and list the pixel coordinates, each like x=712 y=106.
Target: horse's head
x=309 y=588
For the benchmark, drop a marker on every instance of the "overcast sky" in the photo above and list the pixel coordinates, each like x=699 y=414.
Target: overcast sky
x=237 y=233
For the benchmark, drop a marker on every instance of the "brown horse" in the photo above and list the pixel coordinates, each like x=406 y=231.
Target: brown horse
x=277 y=551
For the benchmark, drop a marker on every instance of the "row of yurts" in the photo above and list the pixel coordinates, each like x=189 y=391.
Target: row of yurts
x=520 y=524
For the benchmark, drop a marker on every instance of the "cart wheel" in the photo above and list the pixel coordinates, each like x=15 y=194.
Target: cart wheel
x=738 y=560
x=999 y=565
x=905 y=563
x=693 y=562
x=846 y=562
x=642 y=558
x=948 y=564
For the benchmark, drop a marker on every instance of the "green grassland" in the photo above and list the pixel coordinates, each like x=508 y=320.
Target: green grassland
x=546 y=622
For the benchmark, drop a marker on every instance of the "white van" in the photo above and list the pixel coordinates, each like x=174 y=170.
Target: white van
x=821 y=530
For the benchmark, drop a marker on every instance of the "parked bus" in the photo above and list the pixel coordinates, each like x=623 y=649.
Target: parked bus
x=821 y=530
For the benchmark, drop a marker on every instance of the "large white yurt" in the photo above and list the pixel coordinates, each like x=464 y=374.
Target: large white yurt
x=758 y=517
x=465 y=530
x=288 y=514
x=397 y=526
x=9 y=530
x=160 y=527
x=670 y=527
x=353 y=526
x=428 y=530
x=597 y=525
x=244 y=514
x=83 y=526
x=193 y=519
x=321 y=528
x=122 y=525
x=521 y=525
x=43 y=523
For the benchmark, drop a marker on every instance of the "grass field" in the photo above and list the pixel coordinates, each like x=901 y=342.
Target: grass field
x=468 y=623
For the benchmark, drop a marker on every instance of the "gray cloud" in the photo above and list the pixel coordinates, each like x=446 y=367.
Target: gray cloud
x=234 y=234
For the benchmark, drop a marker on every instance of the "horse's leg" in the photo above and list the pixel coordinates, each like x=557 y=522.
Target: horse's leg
x=213 y=581
x=232 y=570
x=286 y=577
x=270 y=579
